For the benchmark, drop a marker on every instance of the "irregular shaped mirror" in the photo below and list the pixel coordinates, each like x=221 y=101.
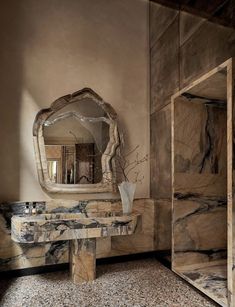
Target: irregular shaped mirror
x=75 y=143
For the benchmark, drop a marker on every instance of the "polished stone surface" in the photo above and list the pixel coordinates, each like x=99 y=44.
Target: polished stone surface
x=164 y=74
x=200 y=207
x=209 y=46
x=200 y=200
x=189 y=25
x=160 y=154
x=19 y=256
x=163 y=225
x=161 y=18
x=71 y=226
x=138 y=283
x=209 y=277
x=82 y=229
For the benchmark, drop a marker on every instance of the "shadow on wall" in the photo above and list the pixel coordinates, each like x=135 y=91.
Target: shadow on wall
x=10 y=96
x=51 y=52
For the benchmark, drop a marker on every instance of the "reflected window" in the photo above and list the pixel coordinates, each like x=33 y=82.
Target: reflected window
x=53 y=170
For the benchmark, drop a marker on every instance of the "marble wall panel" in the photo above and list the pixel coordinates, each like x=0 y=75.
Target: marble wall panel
x=163 y=225
x=142 y=240
x=201 y=46
x=200 y=137
x=200 y=210
x=164 y=68
x=189 y=24
x=160 y=19
x=135 y=244
x=198 y=257
x=200 y=224
x=209 y=46
x=198 y=185
x=200 y=179
x=160 y=154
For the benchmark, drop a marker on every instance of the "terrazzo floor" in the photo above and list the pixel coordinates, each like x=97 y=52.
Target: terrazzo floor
x=139 y=283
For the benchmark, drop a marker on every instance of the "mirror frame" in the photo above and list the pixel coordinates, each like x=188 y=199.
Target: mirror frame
x=108 y=182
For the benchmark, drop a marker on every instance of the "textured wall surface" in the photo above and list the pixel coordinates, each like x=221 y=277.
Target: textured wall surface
x=53 y=48
x=182 y=48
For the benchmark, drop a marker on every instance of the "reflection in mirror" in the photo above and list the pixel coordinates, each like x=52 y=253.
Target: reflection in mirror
x=75 y=142
x=53 y=169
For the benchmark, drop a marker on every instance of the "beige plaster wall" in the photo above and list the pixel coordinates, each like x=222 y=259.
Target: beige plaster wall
x=55 y=47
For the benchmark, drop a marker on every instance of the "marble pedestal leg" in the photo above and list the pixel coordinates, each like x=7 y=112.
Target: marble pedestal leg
x=83 y=260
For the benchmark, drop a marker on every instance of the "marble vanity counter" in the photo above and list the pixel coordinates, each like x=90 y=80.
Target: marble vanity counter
x=18 y=256
x=81 y=229
x=69 y=226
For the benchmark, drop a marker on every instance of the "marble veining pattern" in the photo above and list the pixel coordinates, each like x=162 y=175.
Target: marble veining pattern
x=15 y=256
x=200 y=184
x=83 y=260
x=211 y=277
x=57 y=227
x=200 y=148
x=82 y=229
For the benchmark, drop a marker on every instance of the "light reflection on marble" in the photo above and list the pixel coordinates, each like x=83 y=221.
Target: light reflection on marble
x=82 y=229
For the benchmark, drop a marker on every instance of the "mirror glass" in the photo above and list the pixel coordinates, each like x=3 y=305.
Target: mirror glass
x=76 y=137
x=75 y=142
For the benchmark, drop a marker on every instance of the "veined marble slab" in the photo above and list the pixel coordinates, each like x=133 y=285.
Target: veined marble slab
x=15 y=256
x=201 y=206
x=81 y=229
x=198 y=257
x=199 y=224
x=64 y=226
x=210 y=277
x=200 y=137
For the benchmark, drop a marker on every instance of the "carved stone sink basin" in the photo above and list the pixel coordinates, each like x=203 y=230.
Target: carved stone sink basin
x=81 y=229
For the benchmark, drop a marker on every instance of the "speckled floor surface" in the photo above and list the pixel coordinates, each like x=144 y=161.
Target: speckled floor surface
x=138 y=283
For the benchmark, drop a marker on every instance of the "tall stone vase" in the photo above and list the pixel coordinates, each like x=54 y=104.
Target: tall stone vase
x=127 y=191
